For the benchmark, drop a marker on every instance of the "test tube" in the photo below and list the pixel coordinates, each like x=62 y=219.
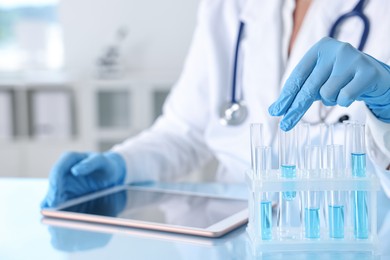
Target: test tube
x=288 y=202
x=326 y=138
x=256 y=132
x=288 y=158
x=303 y=140
x=312 y=198
x=256 y=139
x=263 y=165
x=358 y=166
x=336 y=199
x=348 y=130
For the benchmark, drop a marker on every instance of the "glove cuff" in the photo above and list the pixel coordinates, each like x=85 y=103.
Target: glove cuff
x=380 y=112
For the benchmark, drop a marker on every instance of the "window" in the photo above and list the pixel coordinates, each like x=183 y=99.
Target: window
x=30 y=35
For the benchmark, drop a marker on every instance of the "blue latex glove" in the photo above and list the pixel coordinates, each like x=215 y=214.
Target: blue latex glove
x=337 y=74
x=77 y=174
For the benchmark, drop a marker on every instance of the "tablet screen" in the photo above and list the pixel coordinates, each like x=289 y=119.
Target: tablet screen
x=161 y=207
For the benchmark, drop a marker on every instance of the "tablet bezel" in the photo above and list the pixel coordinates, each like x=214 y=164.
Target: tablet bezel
x=216 y=230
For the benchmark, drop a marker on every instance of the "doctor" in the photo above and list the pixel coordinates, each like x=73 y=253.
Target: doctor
x=282 y=64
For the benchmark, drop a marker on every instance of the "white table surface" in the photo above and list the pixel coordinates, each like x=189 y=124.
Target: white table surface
x=24 y=234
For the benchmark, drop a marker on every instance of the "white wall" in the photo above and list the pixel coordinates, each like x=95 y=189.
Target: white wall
x=159 y=32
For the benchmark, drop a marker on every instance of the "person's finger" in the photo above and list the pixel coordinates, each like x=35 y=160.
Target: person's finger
x=89 y=165
x=62 y=168
x=308 y=94
x=67 y=161
x=294 y=83
x=343 y=72
x=58 y=177
x=353 y=90
x=44 y=204
x=330 y=90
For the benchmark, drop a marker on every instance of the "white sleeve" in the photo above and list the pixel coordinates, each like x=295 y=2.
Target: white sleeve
x=175 y=145
x=378 y=148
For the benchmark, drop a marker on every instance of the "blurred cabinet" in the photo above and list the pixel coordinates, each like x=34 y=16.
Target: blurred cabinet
x=126 y=107
x=51 y=113
x=6 y=116
x=41 y=119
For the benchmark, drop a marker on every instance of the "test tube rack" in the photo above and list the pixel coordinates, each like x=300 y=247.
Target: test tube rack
x=275 y=184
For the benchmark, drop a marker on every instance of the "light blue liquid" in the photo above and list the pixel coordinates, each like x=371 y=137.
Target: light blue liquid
x=336 y=221
x=289 y=172
x=358 y=164
x=266 y=220
x=360 y=215
x=312 y=223
x=360 y=210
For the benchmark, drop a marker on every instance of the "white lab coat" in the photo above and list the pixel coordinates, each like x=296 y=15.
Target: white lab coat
x=189 y=133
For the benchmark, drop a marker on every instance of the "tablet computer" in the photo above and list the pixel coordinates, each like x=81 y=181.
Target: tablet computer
x=157 y=209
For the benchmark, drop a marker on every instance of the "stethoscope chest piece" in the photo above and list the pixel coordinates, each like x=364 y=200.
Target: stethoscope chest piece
x=233 y=113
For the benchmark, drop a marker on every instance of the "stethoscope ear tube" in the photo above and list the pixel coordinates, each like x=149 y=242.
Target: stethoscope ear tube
x=358 y=12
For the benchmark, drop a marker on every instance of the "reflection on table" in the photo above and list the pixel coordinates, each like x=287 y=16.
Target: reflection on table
x=26 y=235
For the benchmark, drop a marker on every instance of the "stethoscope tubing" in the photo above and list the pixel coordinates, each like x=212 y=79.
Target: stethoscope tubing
x=235 y=63
x=358 y=12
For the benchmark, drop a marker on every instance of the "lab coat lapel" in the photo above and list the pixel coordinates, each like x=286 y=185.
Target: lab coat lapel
x=263 y=62
x=314 y=27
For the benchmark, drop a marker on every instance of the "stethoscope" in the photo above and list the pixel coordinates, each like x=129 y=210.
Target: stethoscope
x=235 y=112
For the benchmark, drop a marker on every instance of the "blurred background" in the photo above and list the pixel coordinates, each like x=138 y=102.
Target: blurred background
x=82 y=75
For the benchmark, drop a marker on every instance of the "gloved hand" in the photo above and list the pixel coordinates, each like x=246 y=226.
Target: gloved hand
x=337 y=74
x=77 y=174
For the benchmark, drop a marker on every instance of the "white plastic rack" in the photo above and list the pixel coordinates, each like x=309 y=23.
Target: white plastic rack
x=276 y=240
